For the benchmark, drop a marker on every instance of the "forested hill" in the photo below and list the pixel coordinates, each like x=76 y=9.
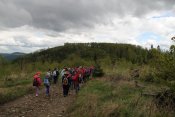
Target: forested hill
x=11 y=56
x=87 y=51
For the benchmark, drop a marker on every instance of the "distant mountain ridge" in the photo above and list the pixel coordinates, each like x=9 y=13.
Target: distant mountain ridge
x=11 y=56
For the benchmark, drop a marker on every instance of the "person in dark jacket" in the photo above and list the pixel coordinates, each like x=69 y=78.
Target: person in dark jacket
x=57 y=74
x=66 y=82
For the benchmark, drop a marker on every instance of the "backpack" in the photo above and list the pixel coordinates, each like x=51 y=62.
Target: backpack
x=54 y=73
x=46 y=82
x=87 y=71
x=79 y=78
x=65 y=80
x=48 y=73
x=35 y=82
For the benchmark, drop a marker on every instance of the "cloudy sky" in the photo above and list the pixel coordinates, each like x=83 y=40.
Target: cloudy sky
x=31 y=25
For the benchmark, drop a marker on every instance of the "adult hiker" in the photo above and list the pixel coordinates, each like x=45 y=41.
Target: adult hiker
x=72 y=81
x=55 y=75
x=47 y=83
x=66 y=82
x=37 y=82
x=91 y=69
x=77 y=80
x=62 y=72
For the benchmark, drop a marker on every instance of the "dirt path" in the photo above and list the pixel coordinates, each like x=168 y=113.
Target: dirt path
x=31 y=106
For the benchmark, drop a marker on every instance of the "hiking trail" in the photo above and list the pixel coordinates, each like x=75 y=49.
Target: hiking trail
x=31 y=106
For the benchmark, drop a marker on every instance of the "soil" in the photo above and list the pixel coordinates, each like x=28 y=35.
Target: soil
x=31 y=106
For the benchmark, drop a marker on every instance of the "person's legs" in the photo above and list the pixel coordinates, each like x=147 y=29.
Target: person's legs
x=47 y=90
x=74 y=84
x=37 y=90
x=71 y=84
x=64 y=90
x=82 y=80
x=76 y=88
x=67 y=89
x=55 y=79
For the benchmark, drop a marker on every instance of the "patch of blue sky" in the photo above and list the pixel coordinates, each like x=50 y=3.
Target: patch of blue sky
x=166 y=15
x=40 y=35
x=151 y=36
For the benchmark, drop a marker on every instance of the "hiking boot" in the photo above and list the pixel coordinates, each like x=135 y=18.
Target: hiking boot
x=36 y=95
x=45 y=96
x=49 y=95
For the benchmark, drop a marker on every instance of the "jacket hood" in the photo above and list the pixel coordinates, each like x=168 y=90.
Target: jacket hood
x=35 y=76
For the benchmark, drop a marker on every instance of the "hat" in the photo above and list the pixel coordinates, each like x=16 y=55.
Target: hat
x=37 y=73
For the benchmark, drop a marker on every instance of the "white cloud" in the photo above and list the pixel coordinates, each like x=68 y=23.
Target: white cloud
x=84 y=21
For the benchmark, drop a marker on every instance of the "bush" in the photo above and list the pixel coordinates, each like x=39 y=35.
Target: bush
x=98 y=72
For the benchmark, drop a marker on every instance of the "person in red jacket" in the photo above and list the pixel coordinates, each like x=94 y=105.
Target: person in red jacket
x=77 y=81
x=38 y=81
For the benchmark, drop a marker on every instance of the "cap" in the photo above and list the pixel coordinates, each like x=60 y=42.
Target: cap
x=37 y=73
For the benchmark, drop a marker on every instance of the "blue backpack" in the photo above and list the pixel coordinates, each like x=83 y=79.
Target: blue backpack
x=46 y=82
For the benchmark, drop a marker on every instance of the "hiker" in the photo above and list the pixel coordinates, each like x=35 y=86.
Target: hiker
x=49 y=73
x=38 y=82
x=88 y=73
x=66 y=82
x=77 y=81
x=55 y=75
x=47 y=81
x=81 y=72
x=91 y=69
x=62 y=73
x=72 y=81
x=84 y=74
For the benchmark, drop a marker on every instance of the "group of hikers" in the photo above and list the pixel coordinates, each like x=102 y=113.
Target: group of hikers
x=70 y=77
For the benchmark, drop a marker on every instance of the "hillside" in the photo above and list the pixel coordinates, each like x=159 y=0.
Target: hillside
x=11 y=56
x=87 y=51
x=123 y=64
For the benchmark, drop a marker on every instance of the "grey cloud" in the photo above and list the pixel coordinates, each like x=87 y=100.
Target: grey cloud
x=63 y=15
x=11 y=16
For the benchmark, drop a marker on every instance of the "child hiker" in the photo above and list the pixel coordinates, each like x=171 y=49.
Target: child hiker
x=47 y=81
x=37 y=82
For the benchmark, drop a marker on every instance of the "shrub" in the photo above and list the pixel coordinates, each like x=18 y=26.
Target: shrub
x=98 y=72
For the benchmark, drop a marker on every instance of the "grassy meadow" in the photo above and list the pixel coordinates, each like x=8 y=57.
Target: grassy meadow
x=18 y=85
x=115 y=94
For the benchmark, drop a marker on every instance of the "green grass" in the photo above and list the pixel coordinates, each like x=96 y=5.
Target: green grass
x=13 y=83
x=15 y=93
x=112 y=97
x=10 y=90
x=100 y=98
